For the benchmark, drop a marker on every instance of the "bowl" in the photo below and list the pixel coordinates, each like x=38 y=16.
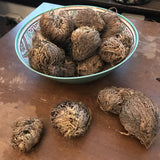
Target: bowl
x=23 y=43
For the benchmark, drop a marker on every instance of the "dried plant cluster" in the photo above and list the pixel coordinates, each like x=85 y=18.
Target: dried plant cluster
x=26 y=134
x=77 y=45
x=138 y=114
x=72 y=119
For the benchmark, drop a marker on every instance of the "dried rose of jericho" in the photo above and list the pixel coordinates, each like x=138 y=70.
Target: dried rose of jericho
x=68 y=68
x=72 y=119
x=26 y=134
x=80 y=44
x=140 y=117
x=46 y=57
x=137 y=113
x=113 y=25
x=88 y=17
x=126 y=40
x=89 y=66
x=85 y=41
x=112 y=99
x=56 y=26
x=112 y=51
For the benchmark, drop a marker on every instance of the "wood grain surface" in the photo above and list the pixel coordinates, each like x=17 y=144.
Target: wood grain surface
x=24 y=93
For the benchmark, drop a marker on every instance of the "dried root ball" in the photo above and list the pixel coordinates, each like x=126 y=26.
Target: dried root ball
x=88 y=17
x=72 y=119
x=89 y=66
x=68 y=68
x=85 y=42
x=54 y=70
x=65 y=69
x=126 y=40
x=112 y=51
x=110 y=100
x=47 y=55
x=106 y=16
x=140 y=117
x=26 y=134
x=113 y=25
x=56 y=26
x=137 y=113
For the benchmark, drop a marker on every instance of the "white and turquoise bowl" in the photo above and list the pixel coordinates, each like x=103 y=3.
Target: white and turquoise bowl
x=23 y=43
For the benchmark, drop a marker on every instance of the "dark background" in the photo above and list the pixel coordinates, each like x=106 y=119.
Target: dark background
x=150 y=10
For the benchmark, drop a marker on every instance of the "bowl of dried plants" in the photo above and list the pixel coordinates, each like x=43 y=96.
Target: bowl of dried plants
x=76 y=44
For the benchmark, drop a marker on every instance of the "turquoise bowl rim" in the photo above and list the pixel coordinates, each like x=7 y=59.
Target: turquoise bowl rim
x=78 y=77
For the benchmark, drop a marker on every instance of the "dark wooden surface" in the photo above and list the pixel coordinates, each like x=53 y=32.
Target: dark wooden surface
x=24 y=93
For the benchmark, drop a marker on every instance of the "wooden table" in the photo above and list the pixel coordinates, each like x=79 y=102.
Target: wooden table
x=24 y=93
